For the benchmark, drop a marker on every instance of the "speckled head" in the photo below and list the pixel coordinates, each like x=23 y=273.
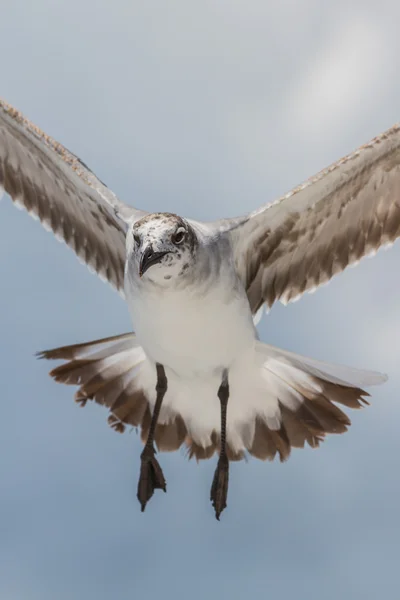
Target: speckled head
x=161 y=247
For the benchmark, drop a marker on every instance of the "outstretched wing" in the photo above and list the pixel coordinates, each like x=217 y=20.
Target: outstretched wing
x=315 y=231
x=53 y=185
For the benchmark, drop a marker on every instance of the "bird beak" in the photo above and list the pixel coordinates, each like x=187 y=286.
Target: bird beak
x=149 y=258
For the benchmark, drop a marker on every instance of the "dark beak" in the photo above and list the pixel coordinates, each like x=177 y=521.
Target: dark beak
x=149 y=258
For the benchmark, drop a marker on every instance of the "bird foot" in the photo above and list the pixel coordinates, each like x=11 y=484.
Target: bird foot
x=219 y=488
x=151 y=476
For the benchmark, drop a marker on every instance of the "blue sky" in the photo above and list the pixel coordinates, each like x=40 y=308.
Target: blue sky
x=207 y=111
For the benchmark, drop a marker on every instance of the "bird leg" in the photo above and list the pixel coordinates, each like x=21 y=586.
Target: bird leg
x=219 y=488
x=151 y=475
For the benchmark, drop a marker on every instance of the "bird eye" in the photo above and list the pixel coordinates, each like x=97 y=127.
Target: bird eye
x=179 y=236
x=137 y=239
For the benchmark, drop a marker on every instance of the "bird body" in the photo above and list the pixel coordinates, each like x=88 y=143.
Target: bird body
x=194 y=373
x=197 y=324
x=192 y=333
x=197 y=321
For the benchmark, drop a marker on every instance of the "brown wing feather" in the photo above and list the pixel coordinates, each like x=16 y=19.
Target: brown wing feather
x=53 y=185
x=317 y=230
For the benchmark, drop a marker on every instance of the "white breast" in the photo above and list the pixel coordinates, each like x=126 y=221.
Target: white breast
x=189 y=332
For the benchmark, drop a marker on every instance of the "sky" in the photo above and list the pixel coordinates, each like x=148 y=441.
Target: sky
x=205 y=109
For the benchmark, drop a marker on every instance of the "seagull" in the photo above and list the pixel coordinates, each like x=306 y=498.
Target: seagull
x=194 y=372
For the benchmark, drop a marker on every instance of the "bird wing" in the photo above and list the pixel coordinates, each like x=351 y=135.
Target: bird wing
x=57 y=188
x=345 y=212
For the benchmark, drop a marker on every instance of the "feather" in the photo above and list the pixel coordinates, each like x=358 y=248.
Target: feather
x=298 y=402
x=345 y=212
x=57 y=188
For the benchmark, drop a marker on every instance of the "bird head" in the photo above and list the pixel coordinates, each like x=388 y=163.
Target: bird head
x=161 y=247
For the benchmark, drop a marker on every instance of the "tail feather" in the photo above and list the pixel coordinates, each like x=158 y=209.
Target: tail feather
x=333 y=373
x=96 y=349
x=308 y=392
x=288 y=401
x=107 y=372
x=302 y=427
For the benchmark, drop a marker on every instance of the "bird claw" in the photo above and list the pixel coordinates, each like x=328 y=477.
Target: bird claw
x=219 y=488
x=151 y=477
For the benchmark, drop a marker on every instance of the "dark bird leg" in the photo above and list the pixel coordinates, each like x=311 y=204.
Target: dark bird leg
x=219 y=488
x=151 y=475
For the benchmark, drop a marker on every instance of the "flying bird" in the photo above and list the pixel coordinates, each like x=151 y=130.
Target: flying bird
x=194 y=372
